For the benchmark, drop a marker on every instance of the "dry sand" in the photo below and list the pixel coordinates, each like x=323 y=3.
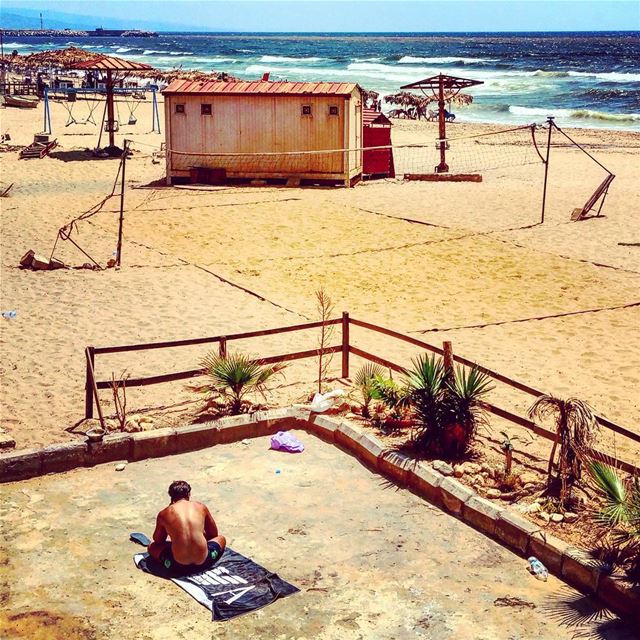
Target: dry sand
x=483 y=277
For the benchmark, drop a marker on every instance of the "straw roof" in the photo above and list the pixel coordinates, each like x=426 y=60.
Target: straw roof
x=57 y=58
x=72 y=56
x=408 y=99
x=193 y=75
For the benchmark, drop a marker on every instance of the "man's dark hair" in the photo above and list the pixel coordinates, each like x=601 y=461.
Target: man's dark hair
x=179 y=489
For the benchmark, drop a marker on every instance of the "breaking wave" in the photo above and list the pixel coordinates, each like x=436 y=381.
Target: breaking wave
x=443 y=60
x=288 y=59
x=576 y=114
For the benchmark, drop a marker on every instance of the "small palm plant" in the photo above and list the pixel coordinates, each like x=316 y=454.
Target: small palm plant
x=448 y=407
x=464 y=413
x=426 y=379
x=576 y=429
x=620 y=514
x=235 y=375
x=364 y=381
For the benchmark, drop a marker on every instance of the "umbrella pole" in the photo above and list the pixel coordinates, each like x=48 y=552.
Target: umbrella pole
x=443 y=167
x=110 y=116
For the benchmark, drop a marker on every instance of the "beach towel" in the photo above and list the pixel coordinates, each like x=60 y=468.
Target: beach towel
x=235 y=585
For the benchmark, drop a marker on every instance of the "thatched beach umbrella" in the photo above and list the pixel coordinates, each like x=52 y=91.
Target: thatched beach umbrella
x=186 y=74
x=443 y=88
x=56 y=58
x=410 y=103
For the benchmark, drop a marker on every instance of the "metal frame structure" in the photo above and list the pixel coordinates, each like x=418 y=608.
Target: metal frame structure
x=155 y=114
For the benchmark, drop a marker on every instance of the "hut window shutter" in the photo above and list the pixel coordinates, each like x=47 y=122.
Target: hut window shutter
x=179 y=108
x=333 y=110
x=306 y=109
x=205 y=109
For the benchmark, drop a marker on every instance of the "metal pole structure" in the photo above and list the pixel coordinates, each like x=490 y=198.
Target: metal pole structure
x=155 y=114
x=120 y=224
x=47 y=114
x=442 y=133
x=551 y=124
x=110 y=114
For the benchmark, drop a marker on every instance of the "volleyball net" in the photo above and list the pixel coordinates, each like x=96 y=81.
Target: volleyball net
x=464 y=154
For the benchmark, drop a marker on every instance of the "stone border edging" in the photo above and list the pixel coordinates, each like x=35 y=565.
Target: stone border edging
x=525 y=538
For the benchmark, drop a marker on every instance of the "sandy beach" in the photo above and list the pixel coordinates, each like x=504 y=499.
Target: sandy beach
x=550 y=305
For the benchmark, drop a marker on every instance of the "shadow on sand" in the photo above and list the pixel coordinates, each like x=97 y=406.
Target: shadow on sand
x=586 y=617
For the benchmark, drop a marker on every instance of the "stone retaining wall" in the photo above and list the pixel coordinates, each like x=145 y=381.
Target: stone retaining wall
x=524 y=537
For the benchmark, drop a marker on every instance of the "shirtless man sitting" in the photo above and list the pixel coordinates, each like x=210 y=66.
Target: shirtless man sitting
x=194 y=544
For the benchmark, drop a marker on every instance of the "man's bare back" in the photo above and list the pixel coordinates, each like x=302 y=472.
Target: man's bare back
x=192 y=531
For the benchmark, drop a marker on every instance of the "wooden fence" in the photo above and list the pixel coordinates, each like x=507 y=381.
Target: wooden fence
x=19 y=88
x=345 y=348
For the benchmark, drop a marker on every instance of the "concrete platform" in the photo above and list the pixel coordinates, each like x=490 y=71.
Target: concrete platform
x=372 y=561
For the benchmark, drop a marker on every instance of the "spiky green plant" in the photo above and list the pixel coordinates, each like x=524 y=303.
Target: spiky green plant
x=448 y=408
x=364 y=381
x=576 y=428
x=426 y=379
x=619 y=515
x=234 y=375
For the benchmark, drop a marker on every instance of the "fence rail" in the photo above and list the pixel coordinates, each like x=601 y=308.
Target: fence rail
x=346 y=348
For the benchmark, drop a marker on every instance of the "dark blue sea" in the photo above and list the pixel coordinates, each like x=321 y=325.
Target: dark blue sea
x=584 y=79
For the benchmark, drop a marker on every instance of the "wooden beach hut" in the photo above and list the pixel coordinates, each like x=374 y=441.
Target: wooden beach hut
x=376 y=132
x=277 y=131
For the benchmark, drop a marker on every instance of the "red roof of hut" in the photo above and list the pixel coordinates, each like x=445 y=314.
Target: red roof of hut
x=261 y=87
x=371 y=116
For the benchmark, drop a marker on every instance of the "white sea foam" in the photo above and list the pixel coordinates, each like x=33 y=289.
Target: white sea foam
x=574 y=114
x=613 y=76
x=122 y=49
x=442 y=60
x=288 y=59
x=150 y=52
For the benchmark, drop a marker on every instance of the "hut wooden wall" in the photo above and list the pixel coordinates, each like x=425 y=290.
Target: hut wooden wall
x=264 y=124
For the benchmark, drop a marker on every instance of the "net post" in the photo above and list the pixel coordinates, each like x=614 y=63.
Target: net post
x=551 y=124
x=345 y=344
x=222 y=347
x=121 y=220
x=447 y=347
x=88 y=384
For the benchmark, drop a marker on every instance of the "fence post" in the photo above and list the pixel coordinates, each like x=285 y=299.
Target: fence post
x=88 y=385
x=223 y=347
x=448 y=360
x=345 y=344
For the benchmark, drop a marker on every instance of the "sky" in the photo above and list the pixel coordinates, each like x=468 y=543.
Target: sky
x=321 y=16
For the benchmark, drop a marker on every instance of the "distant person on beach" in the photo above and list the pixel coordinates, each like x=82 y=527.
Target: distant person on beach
x=194 y=544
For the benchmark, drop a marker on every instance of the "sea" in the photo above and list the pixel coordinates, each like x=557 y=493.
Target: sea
x=582 y=79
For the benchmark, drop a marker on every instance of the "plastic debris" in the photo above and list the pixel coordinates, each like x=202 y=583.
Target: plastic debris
x=9 y=315
x=323 y=401
x=286 y=441
x=537 y=569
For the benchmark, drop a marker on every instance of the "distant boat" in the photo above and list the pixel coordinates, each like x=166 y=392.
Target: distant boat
x=22 y=102
x=109 y=33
